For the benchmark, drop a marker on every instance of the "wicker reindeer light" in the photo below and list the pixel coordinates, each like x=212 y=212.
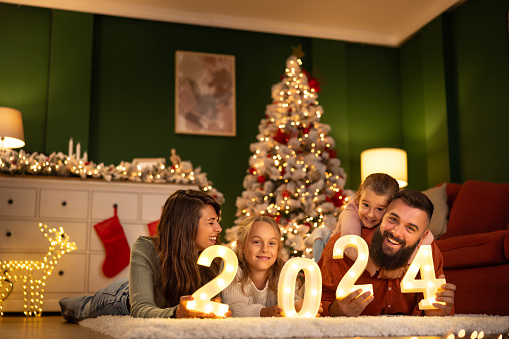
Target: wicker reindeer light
x=15 y=271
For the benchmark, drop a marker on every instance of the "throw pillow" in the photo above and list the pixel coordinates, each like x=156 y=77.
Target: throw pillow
x=480 y=207
x=438 y=196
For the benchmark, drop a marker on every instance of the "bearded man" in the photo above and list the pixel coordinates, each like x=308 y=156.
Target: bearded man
x=391 y=245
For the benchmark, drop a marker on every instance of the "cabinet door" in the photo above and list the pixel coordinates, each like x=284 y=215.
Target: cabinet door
x=63 y=204
x=96 y=277
x=19 y=202
x=69 y=274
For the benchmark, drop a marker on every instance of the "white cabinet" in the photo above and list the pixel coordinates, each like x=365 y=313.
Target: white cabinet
x=76 y=205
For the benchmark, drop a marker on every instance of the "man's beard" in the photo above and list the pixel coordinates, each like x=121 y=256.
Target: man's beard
x=389 y=261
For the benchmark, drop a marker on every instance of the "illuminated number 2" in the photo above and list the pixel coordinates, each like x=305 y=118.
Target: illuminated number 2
x=203 y=295
x=313 y=287
x=346 y=285
x=428 y=284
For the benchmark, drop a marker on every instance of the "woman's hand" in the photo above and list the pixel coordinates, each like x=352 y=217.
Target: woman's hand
x=274 y=311
x=184 y=312
x=228 y=314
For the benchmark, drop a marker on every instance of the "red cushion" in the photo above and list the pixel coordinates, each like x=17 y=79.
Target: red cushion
x=474 y=250
x=481 y=290
x=452 y=190
x=479 y=207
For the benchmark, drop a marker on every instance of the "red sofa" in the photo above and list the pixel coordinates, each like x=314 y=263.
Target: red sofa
x=475 y=246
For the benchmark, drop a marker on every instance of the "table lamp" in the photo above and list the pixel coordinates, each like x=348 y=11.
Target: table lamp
x=392 y=161
x=11 y=128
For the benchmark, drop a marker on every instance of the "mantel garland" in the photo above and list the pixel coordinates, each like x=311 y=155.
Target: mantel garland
x=61 y=165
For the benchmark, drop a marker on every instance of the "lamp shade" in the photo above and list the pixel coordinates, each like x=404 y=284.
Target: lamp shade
x=11 y=128
x=392 y=161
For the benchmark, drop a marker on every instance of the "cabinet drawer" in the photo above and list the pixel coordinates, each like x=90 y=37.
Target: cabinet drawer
x=96 y=277
x=103 y=202
x=19 y=202
x=63 y=204
x=27 y=237
x=152 y=206
x=131 y=231
x=69 y=274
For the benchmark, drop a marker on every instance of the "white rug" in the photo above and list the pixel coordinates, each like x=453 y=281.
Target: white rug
x=364 y=326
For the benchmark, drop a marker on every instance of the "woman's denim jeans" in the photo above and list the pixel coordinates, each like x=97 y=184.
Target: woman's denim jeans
x=111 y=300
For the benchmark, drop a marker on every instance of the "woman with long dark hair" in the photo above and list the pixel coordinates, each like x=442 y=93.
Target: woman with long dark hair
x=163 y=271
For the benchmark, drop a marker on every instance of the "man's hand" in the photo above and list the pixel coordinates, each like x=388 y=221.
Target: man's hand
x=352 y=305
x=446 y=295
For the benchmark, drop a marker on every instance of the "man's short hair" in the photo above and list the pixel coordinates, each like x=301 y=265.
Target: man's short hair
x=416 y=199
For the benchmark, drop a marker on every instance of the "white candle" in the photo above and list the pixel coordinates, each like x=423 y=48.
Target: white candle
x=85 y=156
x=203 y=295
x=71 y=147
x=346 y=285
x=78 y=151
x=428 y=284
x=313 y=288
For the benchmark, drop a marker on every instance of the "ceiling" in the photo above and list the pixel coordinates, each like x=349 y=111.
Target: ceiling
x=377 y=22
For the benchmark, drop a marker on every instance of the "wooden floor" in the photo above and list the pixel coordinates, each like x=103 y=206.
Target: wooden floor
x=51 y=326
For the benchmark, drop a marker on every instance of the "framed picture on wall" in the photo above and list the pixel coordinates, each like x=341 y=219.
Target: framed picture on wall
x=205 y=94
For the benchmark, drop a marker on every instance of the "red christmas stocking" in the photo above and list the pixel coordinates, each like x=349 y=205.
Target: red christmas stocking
x=115 y=243
x=152 y=228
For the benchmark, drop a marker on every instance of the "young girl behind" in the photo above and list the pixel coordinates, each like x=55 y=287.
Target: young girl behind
x=253 y=292
x=367 y=210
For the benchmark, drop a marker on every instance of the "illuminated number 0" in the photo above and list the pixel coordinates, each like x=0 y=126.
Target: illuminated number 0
x=203 y=295
x=346 y=285
x=428 y=284
x=313 y=287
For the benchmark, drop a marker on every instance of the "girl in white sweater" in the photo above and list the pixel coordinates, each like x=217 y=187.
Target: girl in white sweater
x=253 y=292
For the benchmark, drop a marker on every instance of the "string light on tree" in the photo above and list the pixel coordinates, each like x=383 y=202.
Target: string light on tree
x=294 y=174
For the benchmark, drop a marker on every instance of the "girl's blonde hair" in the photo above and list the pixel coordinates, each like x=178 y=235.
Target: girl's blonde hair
x=242 y=240
x=380 y=184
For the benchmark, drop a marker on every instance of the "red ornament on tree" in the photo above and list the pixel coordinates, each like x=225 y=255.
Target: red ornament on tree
x=338 y=199
x=261 y=179
x=312 y=82
x=252 y=170
x=281 y=137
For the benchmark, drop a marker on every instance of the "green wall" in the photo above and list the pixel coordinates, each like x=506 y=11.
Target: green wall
x=108 y=82
x=455 y=96
x=478 y=51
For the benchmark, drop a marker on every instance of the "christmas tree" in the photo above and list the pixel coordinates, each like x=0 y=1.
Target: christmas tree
x=294 y=175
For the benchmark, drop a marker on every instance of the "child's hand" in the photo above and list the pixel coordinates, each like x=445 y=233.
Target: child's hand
x=299 y=303
x=320 y=311
x=391 y=274
x=274 y=311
